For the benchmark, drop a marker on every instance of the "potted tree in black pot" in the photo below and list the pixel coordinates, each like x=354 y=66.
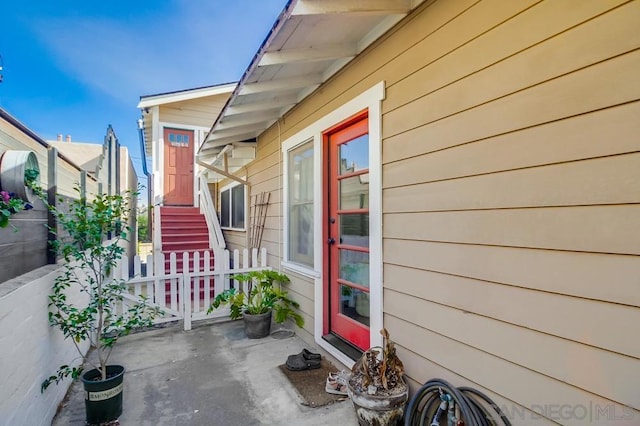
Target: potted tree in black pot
x=89 y=260
x=264 y=297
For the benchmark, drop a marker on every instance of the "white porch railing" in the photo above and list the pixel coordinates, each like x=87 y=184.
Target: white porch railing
x=187 y=295
x=207 y=208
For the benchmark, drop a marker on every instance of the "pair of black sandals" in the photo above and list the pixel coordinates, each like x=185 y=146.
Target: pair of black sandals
x=305 y=360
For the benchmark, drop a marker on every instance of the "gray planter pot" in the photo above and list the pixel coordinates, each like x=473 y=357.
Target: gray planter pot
x=257 y=326
x=378 y=410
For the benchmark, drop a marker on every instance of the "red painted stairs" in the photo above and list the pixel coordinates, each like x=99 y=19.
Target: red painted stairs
x=184 y=229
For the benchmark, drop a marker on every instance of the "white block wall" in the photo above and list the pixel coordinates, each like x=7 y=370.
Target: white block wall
x=31 y=350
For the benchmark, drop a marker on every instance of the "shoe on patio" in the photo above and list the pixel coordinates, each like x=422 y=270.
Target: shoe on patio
x=337 y=383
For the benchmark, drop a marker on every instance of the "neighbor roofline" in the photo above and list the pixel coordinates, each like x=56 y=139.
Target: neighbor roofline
x=33 y=135
x=147 y=101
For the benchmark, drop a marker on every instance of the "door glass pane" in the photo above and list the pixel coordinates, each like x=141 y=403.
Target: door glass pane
x=354 y=303
x=354 y=229
x=354 y=267
x=354 y=155
x=237 y=210
x=354 y=192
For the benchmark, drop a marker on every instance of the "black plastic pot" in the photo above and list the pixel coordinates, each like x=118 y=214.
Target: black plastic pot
x=103 y=398
x=257 y=326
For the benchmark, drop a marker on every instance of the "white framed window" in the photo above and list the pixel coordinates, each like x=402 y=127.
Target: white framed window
x=232 y=207
x=300 y=196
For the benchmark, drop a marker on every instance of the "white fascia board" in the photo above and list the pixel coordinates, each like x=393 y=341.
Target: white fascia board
x=369 y=7
x=186 y=95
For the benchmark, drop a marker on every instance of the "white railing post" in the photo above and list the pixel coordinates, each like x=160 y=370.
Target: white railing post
x=137 y=272
x=185 y=294
x=175 y=282
x=263 y=257
x=207 y=280
x=254 y=257
x=159 y=292
x=150 y=290
x=207 y=208
x=195 y=280
x=225 y=267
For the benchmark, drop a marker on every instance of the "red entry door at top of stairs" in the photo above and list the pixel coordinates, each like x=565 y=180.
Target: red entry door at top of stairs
x=178 y=167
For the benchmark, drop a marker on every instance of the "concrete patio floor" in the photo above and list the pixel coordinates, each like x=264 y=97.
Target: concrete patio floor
x=212 y=375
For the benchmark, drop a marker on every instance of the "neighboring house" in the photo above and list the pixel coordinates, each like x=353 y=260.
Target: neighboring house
x=173 y=126
x=466 y=174
x=111 y=166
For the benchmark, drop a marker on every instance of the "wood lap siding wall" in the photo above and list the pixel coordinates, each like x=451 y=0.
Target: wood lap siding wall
x=511 y=197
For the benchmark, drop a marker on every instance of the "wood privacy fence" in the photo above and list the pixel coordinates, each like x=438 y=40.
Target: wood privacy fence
x=187 y=295
x=25 y=245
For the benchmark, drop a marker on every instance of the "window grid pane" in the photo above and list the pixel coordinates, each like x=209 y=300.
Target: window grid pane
x=225 y=208
x=300 y=198
x=237 y=209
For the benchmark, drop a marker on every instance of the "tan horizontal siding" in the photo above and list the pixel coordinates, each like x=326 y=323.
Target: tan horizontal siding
x=603 y=229
x=529 y=107
x=609 y=180
x=522 y=385
x=270 y=173
x=589 y=323
x=614 y=129
x=613 y=377
x=511 y=57
x=424 y=370
x=234 y=240
x=562 y=272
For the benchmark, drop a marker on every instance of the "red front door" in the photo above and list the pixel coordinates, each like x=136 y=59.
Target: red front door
x=178 y=167
x=347 y=231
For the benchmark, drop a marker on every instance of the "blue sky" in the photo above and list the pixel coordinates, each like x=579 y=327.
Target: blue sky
x=76 y=66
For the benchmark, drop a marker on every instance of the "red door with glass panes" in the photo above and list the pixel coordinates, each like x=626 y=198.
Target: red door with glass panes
x=178 y=167
x=347 y=231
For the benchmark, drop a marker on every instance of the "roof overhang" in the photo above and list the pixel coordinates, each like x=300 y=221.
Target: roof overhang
x=148 y=102
x=184 y=95
x=310 y=41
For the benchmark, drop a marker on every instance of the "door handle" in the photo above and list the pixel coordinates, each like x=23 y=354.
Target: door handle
x=331 y=241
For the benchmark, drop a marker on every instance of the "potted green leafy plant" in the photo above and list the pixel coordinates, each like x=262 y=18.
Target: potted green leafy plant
x=376 y=385
x=263 y=297
x=88 y=263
